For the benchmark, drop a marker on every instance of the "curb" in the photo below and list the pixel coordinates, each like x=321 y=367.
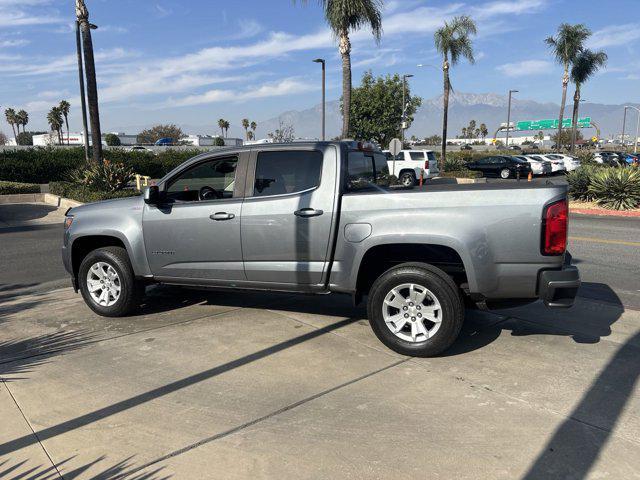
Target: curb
x=605 y=213
x=47 y=198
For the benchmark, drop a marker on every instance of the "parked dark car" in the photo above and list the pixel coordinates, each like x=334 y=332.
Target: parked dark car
x=500 y=166
x=466 y=147
x=515 y=147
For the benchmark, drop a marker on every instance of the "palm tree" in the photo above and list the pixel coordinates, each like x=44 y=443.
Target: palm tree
x=254 y=126
x=23 y=119
x=584 y=66
x=54 y=118
x=226 y=128
x=344 y=16
x=10 y=115
x=245 y=125
x=453 y=41
x=566 y=45
x=221 y=124
x=64 y=108
x=484 y=131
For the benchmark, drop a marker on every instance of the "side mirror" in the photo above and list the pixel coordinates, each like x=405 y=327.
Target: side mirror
x=152 y=195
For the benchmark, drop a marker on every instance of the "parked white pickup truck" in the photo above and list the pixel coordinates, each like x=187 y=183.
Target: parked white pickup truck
x=409 y=165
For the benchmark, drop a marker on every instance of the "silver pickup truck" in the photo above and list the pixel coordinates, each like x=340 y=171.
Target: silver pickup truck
x=323 y=218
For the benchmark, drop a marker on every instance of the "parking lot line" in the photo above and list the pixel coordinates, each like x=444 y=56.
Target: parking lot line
x=603 y=240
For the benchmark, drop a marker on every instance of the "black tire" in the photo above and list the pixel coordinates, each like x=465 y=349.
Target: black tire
x=131 y=290
x=441 y=285
x=407 y=179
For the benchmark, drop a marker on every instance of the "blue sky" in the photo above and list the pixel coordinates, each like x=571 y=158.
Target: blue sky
x=192 y=62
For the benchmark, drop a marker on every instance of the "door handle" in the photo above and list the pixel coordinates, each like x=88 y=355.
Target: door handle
x=220 y=216
x=308 y=212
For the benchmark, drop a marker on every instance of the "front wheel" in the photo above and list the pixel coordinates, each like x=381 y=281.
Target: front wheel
x=505 y=173
x=407 y=179
x=108 y=284
x=415 y=310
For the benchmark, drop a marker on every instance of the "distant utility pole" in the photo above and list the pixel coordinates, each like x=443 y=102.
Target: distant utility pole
x=404 y=105
x=324 y=91
x=624 y=121
x=509 y=115
x=82 y=15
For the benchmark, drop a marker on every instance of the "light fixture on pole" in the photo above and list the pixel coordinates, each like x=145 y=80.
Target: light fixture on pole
x=403 y=124
x=624 y=121
x=511 y=92
x=324 y=69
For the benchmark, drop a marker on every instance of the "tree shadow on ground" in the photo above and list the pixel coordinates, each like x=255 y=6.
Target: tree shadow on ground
x=121 y=470
x=22 y=212
x=19 y=356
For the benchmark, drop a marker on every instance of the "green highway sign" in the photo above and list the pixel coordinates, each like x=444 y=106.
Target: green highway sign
x=529 y=125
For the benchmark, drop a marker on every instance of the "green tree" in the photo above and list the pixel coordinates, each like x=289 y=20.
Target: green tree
x=3 y=139
x=484 y=131
x=226 y=127
x=153 y=134
x=565 y=138
x=112 y=140
x=245 y=125
x=376 y=112
x=343 y=17
x=23 y=119
x=254 y=126
x=584 y=66
x=64 y=108
x=25 y=138
x=221 y=124
x=10 y=115
x=565 y=46
x=453 y=41
x=433 y=140
x=218 y=142
x=54 y=119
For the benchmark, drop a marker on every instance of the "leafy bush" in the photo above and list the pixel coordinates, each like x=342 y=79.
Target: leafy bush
x=460 y=174
x=43 y=165
x=8 y=188
x=112 y=140
x=107 y=176
x=454 y=163
x=616 y=188
x=25 y=138
x=85 y=194
x=218 y=142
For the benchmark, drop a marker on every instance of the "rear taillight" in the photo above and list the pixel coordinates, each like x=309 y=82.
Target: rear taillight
x=555 y=223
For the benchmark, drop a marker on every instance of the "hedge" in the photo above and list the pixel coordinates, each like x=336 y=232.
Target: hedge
x=8 y=188
x=44 y=165
x=86 y=195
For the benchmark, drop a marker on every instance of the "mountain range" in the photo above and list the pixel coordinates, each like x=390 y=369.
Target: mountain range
x=487 y=108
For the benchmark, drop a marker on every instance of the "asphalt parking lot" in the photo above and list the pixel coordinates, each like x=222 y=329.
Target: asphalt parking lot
x=246 y=385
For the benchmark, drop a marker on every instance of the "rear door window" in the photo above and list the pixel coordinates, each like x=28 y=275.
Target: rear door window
x=416 y=155
x=285 y=172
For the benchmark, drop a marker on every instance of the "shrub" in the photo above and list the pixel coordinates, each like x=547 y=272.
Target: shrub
x=7 y=188
x=85 y=194
x=25 y=138
x=616 y=188
x=579 y=181
x=460 y=174
x=112 y=140
x=218 y=142
x=107 y=176
x=454 y=163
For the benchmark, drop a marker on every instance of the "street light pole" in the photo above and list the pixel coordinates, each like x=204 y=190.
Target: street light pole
x=509 y=115
x=404 y=105
x=324 y=89
x=635 y=145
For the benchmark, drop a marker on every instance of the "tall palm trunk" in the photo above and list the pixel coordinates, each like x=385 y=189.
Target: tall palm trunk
x=574 y=118
x=92 y=91
x=565 y=83
x=15 y=136
x=345 y=52
x=66 y=122
x=445 y=113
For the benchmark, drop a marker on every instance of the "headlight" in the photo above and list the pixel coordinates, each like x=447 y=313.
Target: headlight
x=67 y=222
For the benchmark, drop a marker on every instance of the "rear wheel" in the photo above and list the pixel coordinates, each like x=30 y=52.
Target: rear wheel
x=416 y=310
x=407 y=179
x=505 y=173
x=108 y=284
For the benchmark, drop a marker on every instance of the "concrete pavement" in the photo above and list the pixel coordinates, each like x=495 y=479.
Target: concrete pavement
x=246 y=385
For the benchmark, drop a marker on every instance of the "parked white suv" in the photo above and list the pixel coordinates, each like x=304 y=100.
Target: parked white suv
x=409 y=165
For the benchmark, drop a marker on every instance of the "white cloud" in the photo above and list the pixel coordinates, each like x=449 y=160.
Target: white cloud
x=248 y=28
x=14 y=43
x=614 y=35
x=499 y=8
x=287 y=86
x=526 y=68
